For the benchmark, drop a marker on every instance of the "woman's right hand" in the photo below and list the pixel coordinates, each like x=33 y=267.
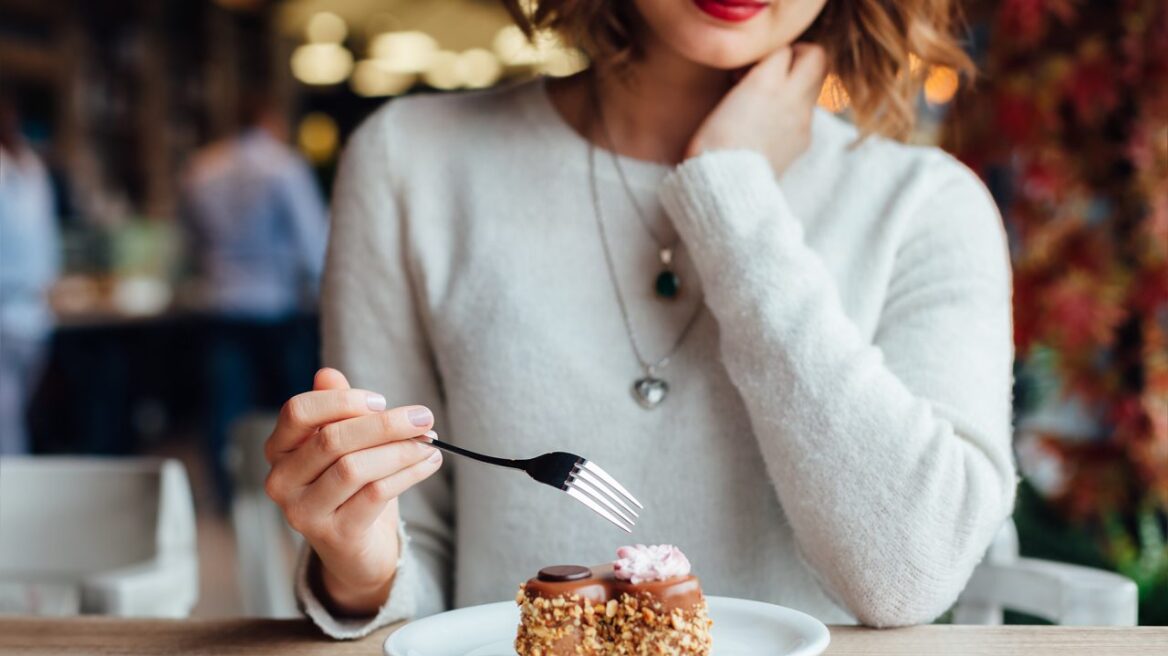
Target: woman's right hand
x=339 y=461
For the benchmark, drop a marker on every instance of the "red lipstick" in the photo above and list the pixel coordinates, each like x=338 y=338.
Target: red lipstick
x=734 y=11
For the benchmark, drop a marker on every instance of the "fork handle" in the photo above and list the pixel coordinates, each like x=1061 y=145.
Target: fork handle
x=490 y=460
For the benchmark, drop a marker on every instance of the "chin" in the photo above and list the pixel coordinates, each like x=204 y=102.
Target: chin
x=723 y=51
x=690 y=31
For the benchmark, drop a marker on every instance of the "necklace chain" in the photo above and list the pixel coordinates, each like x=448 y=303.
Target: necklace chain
x=662 y=244
x=650 y=367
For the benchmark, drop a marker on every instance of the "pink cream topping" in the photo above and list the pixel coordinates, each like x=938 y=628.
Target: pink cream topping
x=658 y=562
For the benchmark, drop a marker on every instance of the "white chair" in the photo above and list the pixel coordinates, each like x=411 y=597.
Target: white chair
x=1057 y=592
x=265 y=545
x=97 y=536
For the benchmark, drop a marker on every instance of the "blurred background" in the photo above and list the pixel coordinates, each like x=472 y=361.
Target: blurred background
x=130 y=326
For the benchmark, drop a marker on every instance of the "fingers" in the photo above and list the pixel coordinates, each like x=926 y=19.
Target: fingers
x=351 y=473
x=333 y=441
x=771 y=69
x=808 y=52
x=808 y=67
x=369 y=502
x=803 y=64
x=304 y=413
x=329 y=378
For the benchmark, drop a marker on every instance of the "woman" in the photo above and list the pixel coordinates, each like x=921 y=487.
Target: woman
x=821 y=415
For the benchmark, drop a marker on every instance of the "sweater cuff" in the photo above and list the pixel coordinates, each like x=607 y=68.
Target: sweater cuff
x=721 y=196
x=400 y=605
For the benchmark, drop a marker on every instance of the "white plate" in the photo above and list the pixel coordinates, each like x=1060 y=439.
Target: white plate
x=741 y=628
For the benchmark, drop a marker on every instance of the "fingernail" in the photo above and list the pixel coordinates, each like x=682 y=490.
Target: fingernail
x=434 y=457
x=376 y=402
x=420 y=416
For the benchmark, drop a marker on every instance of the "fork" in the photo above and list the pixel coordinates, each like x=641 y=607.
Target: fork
x=582 y=479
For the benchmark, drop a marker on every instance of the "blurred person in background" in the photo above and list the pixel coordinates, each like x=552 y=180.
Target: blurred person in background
x=255 y=226
x=29 y=264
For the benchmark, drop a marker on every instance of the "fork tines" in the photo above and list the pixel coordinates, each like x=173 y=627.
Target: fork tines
x=595 y=488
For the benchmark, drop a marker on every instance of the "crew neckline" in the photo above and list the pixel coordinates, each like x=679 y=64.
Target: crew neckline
x=555 y=127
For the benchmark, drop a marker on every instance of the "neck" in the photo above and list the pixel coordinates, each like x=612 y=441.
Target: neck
x=654 y=110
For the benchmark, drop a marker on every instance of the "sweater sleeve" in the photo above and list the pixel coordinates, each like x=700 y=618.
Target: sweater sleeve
x=891 y=456
x=374 y=331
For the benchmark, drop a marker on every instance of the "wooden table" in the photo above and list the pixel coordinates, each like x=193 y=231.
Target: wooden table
x=105 y=636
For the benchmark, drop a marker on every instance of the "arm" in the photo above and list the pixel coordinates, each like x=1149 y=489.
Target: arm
x=891 y=458
x=49 y=237
x=374 y=332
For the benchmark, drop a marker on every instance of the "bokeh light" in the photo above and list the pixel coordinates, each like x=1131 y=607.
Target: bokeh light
x=326 y=27
x=546 y=53
x=941 y=85
x=318 y=137
x=371 y=79
x=564 y=62
x=513 y=47
x=443 y=72
x=321 y=63
x=478 y=68
x=404 y=52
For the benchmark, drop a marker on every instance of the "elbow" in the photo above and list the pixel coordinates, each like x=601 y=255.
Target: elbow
x=901 y=603
x=917 y=585
x=911 y=568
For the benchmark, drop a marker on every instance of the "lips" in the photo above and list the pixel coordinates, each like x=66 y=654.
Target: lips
x=732 y=11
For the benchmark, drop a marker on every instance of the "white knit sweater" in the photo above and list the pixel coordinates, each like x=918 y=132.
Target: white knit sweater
x=837 y=435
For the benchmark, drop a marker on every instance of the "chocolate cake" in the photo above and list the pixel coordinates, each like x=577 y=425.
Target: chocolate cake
x=646 y=602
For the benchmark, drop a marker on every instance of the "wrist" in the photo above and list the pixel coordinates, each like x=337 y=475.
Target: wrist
x=348 y=599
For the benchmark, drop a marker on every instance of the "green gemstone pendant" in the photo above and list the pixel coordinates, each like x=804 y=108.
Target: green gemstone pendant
x=668 y=284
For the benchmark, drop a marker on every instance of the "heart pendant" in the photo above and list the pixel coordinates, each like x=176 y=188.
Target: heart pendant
x=650 y=391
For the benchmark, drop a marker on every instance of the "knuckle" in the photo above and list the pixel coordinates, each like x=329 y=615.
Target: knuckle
x=348 y=469
x=298 y=519
x=295 y=412
x=328 y=536
x=329 y=440
x=273 y=488
x=380 y=490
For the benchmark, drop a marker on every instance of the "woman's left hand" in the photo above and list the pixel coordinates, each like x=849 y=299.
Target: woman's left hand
x=770 y=108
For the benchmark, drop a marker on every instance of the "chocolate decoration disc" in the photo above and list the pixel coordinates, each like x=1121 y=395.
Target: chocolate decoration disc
x=558 y=573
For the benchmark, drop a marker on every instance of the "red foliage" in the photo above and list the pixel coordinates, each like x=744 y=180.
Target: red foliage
x=1073 y=106
x=1028 y=20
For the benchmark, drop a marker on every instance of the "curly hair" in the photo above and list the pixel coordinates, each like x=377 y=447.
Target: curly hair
x=879 y=51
